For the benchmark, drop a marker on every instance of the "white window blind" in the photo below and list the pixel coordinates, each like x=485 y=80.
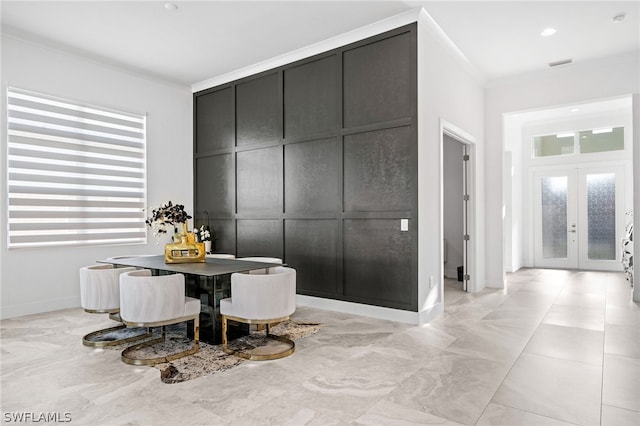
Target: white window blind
x=76 y=174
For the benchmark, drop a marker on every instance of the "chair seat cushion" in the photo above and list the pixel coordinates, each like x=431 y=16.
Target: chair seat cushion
x=226 y=307
x=191 y=306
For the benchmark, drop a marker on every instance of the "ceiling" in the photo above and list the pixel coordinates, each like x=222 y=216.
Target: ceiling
x=201 y=40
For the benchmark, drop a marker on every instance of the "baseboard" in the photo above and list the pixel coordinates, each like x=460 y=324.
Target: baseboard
x=398 y=315
x=513 y=267
x=451 y=273
x=379 y=312
x=431 y=313
x=13 y=311
x=495 y=283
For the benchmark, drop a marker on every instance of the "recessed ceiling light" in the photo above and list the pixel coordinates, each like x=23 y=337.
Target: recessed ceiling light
x=575 y=109
x=619 y=17
x=171 y=6
x=548 y=32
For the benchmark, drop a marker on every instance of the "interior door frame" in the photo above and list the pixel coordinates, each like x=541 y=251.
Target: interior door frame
x=470 y=257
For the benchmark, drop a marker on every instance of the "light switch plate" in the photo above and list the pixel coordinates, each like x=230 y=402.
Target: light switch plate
x=404 y=224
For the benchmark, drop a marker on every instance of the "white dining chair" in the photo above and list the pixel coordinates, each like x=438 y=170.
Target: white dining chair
x=220 y=256
x=275 y=260
x=127 y=256
x=261 y=299
x=156 y=301
x=100 y=294
x=113 y=259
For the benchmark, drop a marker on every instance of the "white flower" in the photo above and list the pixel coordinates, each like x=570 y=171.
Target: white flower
x=205 y=234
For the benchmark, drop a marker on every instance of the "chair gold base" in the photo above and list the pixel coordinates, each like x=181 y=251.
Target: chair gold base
x=257 y=357
x=114 y=314
x=126 y=358
x=89 y=339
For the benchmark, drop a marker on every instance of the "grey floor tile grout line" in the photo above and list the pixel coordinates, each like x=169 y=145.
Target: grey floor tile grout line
x=604 y=340
x=515 y=361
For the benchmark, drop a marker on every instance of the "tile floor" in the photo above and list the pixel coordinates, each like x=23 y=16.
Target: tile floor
x=557 y=348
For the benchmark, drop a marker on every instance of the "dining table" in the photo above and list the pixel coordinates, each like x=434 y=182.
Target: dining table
x=209 y=281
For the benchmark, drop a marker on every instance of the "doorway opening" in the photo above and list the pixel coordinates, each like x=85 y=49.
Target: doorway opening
x=458 y=210
x=455 y=212
x=568 y=174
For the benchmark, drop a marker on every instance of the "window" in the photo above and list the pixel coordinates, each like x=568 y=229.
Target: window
x=560 y=144
x=601 y=140
x=582 y=142
x=76 y=174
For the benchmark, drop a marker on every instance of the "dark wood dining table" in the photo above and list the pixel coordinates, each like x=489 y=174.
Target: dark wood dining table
x=209 y=281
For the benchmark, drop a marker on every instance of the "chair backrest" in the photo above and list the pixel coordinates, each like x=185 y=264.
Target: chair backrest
x=220 y=256
x=261 y=259
x=129 y=256
x=261 y=297
x=100 y=287
x=145 y=298
x=114 y=259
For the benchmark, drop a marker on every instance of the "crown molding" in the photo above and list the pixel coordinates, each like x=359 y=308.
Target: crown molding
x=426 y=22
x=18 y=35
x=418 y=15
x=344 y=39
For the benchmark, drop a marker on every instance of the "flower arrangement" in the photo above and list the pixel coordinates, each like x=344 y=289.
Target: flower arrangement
x=167 y=215
x=627 y=249
x=204 y=233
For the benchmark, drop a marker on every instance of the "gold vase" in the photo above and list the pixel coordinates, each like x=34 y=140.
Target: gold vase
x=186 y=251
x=191 y=237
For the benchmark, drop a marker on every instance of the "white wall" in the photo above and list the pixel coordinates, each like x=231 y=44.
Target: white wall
x=447 y=90
x=39 y=280
x=512 y=185
x=578 y=83
x=453 y=191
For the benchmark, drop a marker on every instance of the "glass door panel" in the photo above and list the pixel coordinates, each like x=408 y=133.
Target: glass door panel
x=601 y=216
x=555 y=227
x=601 y=211
x=554 y=217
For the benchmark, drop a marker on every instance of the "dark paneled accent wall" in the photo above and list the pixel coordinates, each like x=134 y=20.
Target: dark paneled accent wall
x=316 y=162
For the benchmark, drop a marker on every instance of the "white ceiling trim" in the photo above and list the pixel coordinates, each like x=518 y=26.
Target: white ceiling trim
x=419 y=15
x=427 y=22
x=44 y=43
x=361 y=33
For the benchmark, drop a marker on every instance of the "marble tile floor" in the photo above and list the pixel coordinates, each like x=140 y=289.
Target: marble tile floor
x=555 y=348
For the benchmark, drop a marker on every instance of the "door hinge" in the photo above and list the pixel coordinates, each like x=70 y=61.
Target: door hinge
x=465 y=157
x=466 y=237
x=467 y=277
x=466 y=197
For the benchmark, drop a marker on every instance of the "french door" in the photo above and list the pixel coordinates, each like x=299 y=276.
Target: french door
x=579 y=218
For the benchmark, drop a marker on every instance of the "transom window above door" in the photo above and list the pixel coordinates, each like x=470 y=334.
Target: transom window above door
x=579 y=142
